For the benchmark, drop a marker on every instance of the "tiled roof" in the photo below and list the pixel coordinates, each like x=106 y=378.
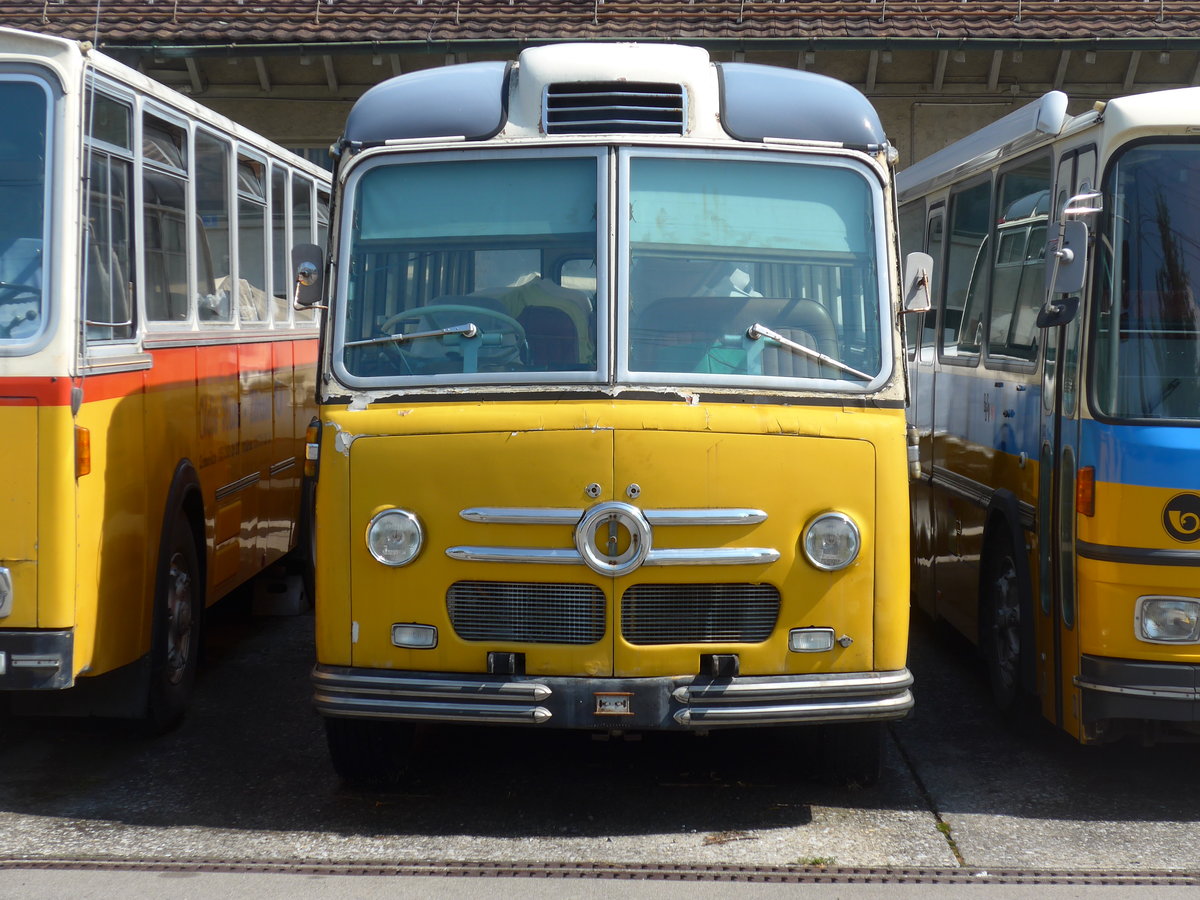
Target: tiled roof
x=185 y=22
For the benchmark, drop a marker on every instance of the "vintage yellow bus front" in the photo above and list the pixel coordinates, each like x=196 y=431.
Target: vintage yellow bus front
x=612 y=431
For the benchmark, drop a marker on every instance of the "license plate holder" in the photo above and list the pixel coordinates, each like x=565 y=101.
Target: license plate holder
x=614 y=703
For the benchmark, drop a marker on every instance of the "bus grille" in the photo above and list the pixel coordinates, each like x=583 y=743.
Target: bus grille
x=528 y=613
x=607 y=107
x=699 y=613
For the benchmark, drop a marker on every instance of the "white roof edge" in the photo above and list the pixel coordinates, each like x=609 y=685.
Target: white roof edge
x=1045 y=117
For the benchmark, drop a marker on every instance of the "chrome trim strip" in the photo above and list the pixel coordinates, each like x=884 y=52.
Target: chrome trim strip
x=365 y=707
x=240 y=485
x=701 y=556
x=283 y=465
x=34 y=661
x=1189 y=694
x=704 y=516
x=1141 y=556
x=516 y=555
x=961 y=486
x=519 y=515
x=806 y=687
x=429 y=687
x=857 y=710
x=714 y=556
x=977 y=493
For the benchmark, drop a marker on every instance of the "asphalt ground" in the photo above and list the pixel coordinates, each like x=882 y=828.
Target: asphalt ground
x=244 y=790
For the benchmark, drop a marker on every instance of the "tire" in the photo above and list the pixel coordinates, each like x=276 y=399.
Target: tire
x=852 y=753
x=1000 y=625
x=369 y=753
x=304 y=555
x=175 y=635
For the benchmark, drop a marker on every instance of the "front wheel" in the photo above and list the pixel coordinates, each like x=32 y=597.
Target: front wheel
x=175 y=636
x=852 y=753
x=369 y=753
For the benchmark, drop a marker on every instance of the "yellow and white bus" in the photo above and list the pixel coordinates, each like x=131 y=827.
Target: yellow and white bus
x=155 y=380
x=611 y=405
x=1056 y=398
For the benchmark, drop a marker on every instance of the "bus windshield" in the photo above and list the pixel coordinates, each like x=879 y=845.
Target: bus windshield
x=732 y=270
x=718 y=246
x=23 y=155
x=1147 y=333
x=472 y=270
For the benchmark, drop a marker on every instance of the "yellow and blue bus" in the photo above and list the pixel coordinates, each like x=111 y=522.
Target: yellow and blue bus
x=155 y=379
x=611 y=429
x=1056 y=405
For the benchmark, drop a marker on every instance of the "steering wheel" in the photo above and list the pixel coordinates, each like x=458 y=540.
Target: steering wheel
x=461 y=313
x=18 y=289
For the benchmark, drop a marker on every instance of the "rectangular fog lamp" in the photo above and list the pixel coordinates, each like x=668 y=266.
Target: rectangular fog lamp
x=414 y=637
x=1168 y=620
x=810 y=640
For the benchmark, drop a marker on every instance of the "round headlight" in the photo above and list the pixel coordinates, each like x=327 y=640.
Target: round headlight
x=394 y=537
x=831 y=541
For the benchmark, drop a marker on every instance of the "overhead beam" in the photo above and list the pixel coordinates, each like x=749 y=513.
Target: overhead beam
x=330 y=74
x=1131 y=71
x=939 y=70
x=994 y=72
x=1060 y=74
x=194 y=74
x=264 y=79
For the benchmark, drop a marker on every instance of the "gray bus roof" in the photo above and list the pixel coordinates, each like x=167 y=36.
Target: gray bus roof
x=471 y=101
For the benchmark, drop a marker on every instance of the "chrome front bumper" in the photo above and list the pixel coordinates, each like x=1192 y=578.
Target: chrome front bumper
x=683 y=703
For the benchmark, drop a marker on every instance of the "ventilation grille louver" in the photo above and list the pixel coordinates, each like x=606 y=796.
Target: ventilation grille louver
x=699 y=613
x=526 y=613
x=614 y=107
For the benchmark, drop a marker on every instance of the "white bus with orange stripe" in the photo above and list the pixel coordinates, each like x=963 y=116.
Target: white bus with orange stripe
x=155 y=380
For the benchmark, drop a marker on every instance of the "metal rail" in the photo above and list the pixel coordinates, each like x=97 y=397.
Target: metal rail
x=623 y=871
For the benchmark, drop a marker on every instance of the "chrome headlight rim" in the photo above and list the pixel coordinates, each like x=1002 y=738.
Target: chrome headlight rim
x=853 y=531
x=1140 y=615
x=418 y=542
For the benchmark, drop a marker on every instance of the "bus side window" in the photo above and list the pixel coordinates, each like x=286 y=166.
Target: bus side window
x=935 y=246
x=965 y=286
x=107 y=271
x=164 y=212
x=215 y=289
x=1019 y=270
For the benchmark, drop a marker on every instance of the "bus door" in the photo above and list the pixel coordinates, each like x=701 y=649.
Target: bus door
x=1057 y=620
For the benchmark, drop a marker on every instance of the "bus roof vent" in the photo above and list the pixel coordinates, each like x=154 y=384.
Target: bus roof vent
x=607 y=107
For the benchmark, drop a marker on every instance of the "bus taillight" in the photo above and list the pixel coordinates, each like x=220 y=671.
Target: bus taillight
x=1085 y=491
x=83 y=451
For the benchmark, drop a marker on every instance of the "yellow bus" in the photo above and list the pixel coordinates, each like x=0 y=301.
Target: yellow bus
x=611 y=428
x=155 y=380
x=1056 y=400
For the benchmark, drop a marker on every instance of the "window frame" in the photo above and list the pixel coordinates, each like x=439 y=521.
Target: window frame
x=600 y=157
x=625 y=375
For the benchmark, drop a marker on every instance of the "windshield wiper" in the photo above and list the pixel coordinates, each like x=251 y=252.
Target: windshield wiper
x=757 y=331
x=468 y=330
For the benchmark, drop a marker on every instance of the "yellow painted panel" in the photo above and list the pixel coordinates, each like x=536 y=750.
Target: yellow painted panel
x=436 y=477
x=18 y=480
x=793 y=479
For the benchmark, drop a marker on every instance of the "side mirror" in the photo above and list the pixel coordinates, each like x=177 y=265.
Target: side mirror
x=307 y=264
x=918 y=283
x=1068 y=261
x=1067 y=258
